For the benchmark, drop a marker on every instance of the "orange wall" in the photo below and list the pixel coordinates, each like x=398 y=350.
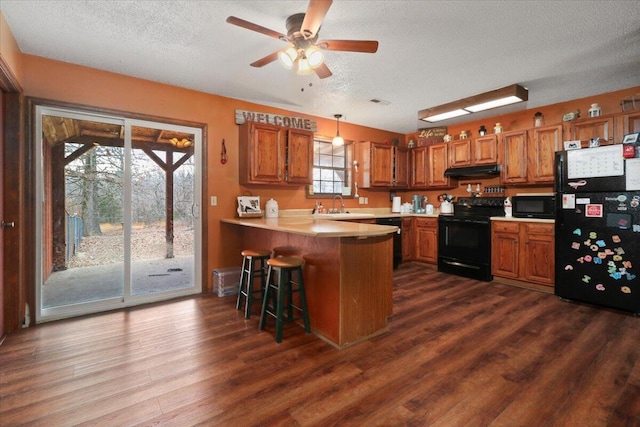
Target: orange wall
x=54 y=80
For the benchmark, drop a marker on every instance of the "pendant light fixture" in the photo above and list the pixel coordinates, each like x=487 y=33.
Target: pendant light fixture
x=337 y=140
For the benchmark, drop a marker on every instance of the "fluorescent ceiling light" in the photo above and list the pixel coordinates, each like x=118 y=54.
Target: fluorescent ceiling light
x=446 y=115
x=493 y=104
x=473 y=104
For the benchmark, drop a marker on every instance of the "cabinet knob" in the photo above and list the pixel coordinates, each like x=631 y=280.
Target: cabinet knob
x=6 y=225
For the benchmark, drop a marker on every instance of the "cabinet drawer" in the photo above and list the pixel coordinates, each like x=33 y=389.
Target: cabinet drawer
x=426 y=223
x=547 y=229
x=506 y=226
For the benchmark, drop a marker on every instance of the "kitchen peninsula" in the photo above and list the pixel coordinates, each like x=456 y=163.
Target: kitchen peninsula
x=348 y=270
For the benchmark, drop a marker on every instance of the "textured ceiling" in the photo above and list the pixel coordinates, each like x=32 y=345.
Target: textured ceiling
x=430 y=53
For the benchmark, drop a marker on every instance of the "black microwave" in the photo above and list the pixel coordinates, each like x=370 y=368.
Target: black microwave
x=534 y=206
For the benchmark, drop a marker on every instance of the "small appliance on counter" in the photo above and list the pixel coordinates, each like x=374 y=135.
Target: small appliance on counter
x=396 y=205
x=534 y=205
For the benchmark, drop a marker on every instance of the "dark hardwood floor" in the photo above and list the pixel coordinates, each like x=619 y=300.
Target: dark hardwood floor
x=458 y=353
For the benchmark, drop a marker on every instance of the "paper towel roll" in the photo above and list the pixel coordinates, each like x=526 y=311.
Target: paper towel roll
x=395 y=208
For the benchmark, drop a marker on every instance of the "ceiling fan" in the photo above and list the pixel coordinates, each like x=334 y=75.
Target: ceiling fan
x=305 y=51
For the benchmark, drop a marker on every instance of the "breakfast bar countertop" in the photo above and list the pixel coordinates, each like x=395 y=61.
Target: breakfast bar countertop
x=314 y=227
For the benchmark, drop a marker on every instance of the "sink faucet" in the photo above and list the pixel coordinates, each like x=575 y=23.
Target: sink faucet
x=333 y=205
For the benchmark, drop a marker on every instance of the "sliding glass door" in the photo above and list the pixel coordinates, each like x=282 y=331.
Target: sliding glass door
x=118 y=204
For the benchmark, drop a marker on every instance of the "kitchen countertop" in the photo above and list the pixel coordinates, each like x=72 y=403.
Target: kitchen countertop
x=309 y=226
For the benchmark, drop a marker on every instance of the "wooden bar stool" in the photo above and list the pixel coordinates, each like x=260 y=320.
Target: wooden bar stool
x=248 y=275
x=283 y=292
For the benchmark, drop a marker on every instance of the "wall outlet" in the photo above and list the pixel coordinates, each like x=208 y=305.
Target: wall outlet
x=366 y=200
x=214 y=200
x=361 y=200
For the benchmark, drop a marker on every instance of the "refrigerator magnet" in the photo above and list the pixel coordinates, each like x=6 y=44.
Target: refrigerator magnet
x=568 y=201
x=593 y=211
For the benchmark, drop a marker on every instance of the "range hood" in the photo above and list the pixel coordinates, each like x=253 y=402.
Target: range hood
x=480 y=170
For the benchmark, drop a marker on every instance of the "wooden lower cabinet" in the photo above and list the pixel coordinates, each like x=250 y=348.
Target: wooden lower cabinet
x=523 y=251
x=426 y=240
x=407 y=239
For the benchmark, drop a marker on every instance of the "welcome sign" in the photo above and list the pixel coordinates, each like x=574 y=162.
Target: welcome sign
x=276 y=120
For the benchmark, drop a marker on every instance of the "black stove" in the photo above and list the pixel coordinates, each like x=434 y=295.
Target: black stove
x=478 y=207
x=464 y=237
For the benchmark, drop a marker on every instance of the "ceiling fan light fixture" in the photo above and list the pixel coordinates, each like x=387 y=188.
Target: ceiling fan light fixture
x=337 y=141
x=288 y=57
x=314 y=55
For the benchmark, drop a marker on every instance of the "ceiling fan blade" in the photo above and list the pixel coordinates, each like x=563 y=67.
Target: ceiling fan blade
x=266 y=60
x=322 y=71
x=364 y=46
x=316 y=11
x=255 y=27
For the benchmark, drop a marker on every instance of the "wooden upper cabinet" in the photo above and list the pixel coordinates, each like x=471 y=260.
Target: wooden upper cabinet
x=630 y=123
x=542 y=148
x=437 y=163
x=419 y=167
x=299 y=164
x=274 y=155
x=401 y=167
x=460 y=153
x=528 y=156
x=382 y=165
x=485 y=150
x=514 y=157
x=591 y=128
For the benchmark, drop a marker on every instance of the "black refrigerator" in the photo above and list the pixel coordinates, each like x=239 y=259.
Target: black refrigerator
x=597 y=229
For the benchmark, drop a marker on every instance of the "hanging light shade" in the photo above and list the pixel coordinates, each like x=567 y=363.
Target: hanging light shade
x=288 y=57
x=303 y=66
x=337 y=140
x=314 y=55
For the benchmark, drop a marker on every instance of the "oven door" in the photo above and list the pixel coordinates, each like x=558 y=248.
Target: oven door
x=464 y=247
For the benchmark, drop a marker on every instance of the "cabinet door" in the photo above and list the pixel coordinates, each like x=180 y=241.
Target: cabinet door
x=401 y=167
x=485 y=150
x=539 y=253
x=505 y=249
x=407 y=239
x=419 y=167
x=299 y=157
x=265 y=148
x=426 y=240
x=514 y=163
x=438 y=157
x=545 y=142
x=460 y=153
x=597 y=127
x=381 y=165
x=630 y=123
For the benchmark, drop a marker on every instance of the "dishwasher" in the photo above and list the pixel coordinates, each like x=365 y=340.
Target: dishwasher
x=397 y=238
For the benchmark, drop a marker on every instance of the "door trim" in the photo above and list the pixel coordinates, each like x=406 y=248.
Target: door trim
x=35 y=103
